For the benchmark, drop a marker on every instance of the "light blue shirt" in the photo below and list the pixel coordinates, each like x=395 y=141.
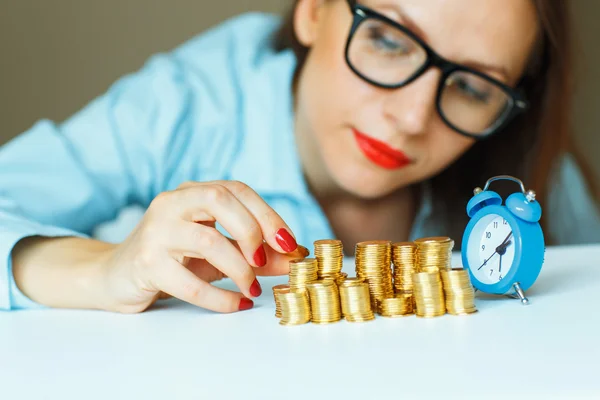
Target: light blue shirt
x=217 y=107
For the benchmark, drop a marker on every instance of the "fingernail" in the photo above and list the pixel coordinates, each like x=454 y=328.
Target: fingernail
x=255 y=289
x=245 y=304
x=260 y=257
x=285 y=240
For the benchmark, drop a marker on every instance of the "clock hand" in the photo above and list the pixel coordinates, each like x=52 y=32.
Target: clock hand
x=485 y=262
x=502 y=249
x=500 y=266
x=499 y=249
x=505 y=242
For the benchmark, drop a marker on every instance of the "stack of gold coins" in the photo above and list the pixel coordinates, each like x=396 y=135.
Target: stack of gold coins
x=373 y=260
x=330 y=257
x=295 y=307
x=399 y=306
x=433 y=254
x=429 y=294
x=458 y=291
x=356 y=300
x=279 y=289
x=403 y=259
x=324 y=301
x=302 y=271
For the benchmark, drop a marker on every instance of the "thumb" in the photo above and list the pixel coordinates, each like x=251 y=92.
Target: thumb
x=279 y=264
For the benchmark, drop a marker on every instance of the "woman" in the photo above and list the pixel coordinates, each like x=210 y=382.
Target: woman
x=360 y=121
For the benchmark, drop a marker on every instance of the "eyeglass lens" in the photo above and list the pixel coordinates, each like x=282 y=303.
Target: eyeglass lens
x=387 y=55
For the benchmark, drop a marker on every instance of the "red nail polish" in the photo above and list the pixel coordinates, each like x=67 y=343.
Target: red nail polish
x=260 y=256
x=255 y=289
x=285 y=240
x=245 y=304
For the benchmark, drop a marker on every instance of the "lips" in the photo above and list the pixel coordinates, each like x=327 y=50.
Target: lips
x=380 y=153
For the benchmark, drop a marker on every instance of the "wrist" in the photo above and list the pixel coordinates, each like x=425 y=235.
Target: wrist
x=89 y=277
x=61 y=272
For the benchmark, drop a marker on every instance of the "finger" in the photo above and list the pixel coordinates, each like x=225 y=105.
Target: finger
x=278 y=263
x=199 y=216
x=163 y=296
x=176 y=280
x=200 y=241
x=219 y=202
x=274 y=230
x=204 y=270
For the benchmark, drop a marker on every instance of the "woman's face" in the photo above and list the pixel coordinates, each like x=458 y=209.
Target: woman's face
x=371 y=141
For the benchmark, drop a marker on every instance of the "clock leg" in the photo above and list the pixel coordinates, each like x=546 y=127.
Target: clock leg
x=519 y=294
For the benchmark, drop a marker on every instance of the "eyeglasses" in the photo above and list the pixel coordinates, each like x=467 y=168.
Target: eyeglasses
x=388 y=55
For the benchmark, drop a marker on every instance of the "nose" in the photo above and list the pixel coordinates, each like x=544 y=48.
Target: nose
x=412 y=108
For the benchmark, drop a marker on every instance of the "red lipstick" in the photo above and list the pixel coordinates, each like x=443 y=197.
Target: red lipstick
x=380 y=153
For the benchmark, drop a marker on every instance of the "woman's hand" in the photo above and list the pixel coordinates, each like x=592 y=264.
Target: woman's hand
x=176 y=250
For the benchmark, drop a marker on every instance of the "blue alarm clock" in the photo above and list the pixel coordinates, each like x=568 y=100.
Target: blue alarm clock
x=503 y=245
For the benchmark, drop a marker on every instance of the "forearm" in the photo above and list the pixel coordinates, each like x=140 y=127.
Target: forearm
x=61 y=272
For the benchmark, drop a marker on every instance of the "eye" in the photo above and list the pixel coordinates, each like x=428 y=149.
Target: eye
x=388 y=42
x=469 y=90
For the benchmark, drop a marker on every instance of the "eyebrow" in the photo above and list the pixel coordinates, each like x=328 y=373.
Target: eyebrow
x=405 y=19
x=410 y=24
x=501 y=71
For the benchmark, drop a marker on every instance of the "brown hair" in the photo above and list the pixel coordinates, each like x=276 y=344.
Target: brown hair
x=529 y=147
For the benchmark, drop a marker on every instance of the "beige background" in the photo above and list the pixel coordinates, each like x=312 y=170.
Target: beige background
x=55 y=55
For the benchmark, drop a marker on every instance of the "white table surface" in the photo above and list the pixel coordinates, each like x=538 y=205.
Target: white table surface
x=549 y=349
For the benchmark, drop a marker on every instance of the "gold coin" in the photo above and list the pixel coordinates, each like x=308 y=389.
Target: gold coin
x=295 y=307
x=300 y=252
x=324 y=301
x=328 y=248
x=330 y=257
x=373 y=264
x=403 y=260
x=433 y=254
x=459 y=292
x=338 y=278
x=341 y=278
x=429 y=295
x=356 y=300
x=279 y=289
x=435 y=239
x=398 y=306
x=302 y=271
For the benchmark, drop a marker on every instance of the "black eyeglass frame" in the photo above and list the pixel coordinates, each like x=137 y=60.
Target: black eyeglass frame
x=518 y=105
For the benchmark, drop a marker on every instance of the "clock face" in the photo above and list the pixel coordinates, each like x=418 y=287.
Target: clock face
x=491 y=250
